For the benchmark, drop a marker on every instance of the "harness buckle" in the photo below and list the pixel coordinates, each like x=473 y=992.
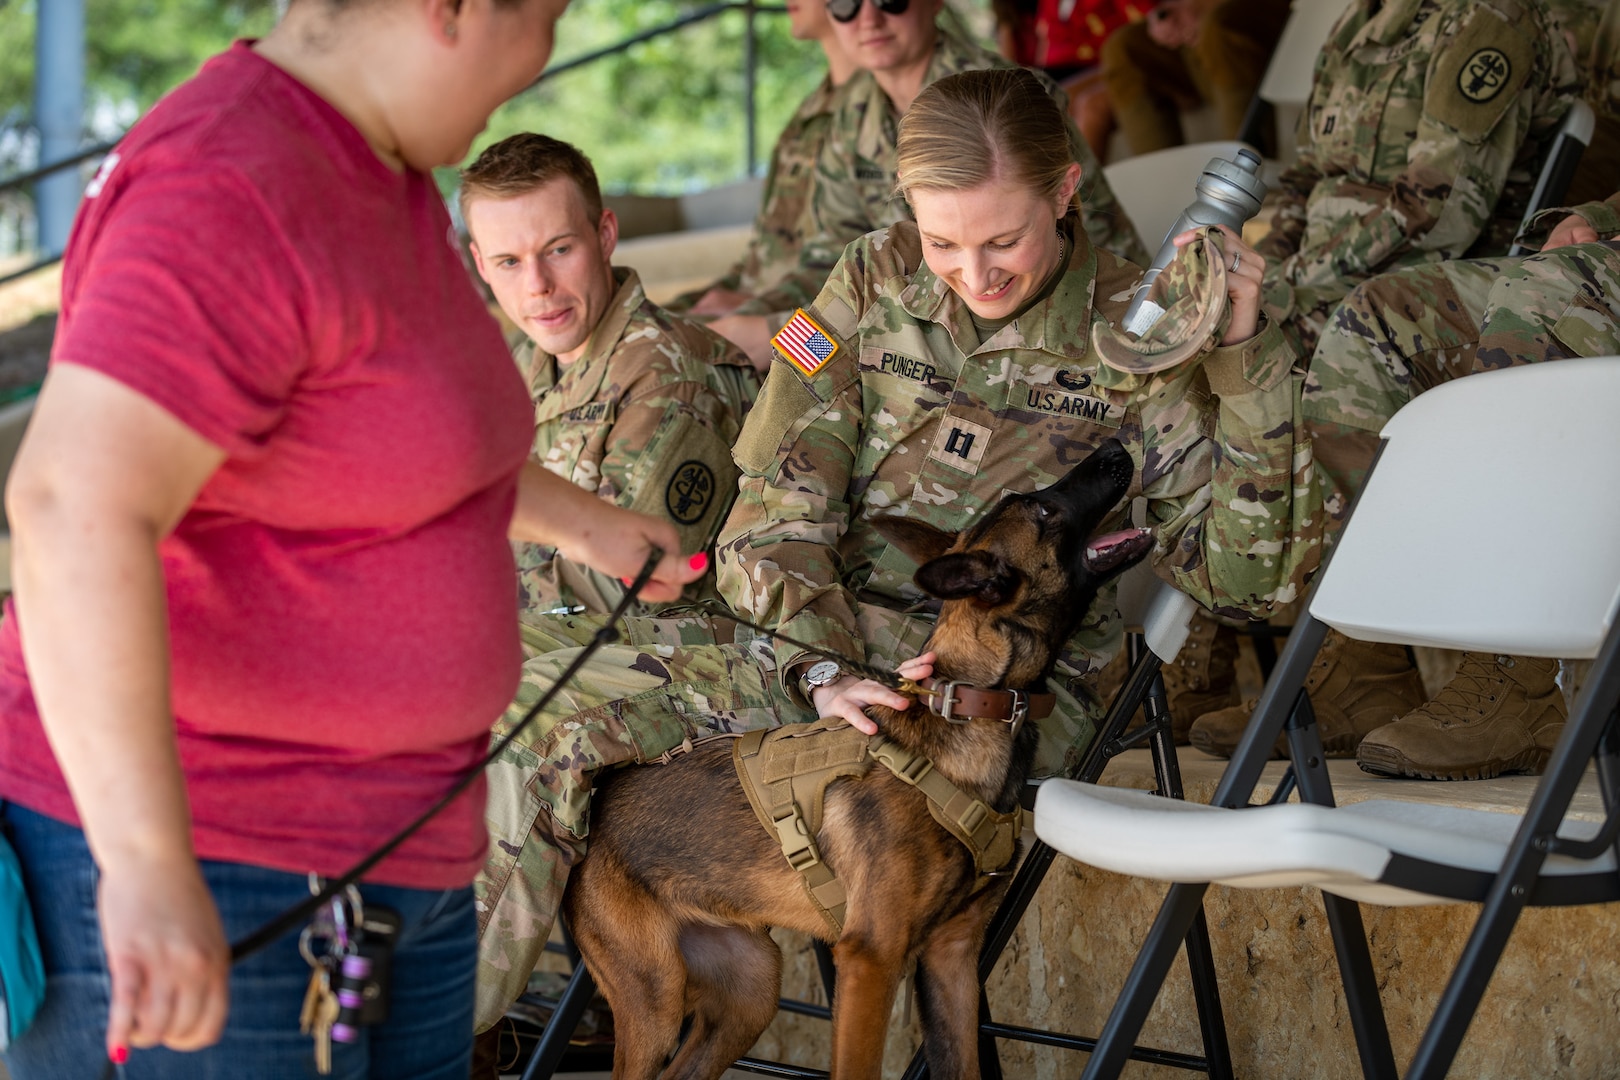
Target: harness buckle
x=798 y=846
x=947 y=710
x=1020 y=710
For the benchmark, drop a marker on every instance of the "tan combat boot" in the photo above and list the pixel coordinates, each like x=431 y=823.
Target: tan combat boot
x=1498 y=714
x=1204 y=676
x=1355 y=687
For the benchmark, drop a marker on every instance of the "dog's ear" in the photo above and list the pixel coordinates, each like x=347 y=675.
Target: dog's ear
x=977 y=574
x=920 y=541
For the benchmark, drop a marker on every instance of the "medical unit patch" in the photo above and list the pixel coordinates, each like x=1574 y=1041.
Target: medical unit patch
x=804 y=344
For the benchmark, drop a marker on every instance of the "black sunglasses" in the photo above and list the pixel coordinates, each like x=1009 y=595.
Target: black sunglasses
x=846 y=10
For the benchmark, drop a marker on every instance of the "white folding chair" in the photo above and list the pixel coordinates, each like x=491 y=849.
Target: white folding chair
x=1454 y=475
x=1154 y=188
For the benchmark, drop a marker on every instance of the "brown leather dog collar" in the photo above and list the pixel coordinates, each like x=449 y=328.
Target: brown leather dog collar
x=958 y=702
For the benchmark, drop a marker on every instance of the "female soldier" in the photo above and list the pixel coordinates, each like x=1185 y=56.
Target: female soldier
x=264 y=589
x=947 y=361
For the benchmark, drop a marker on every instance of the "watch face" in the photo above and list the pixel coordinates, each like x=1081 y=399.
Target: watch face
x=821 y=673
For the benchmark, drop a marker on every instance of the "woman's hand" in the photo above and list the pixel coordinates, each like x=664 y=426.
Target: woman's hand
x=167 y=955
x=587 y=529
x=1572 y=230
x=1245 y=267
x=850 y=696
x=751 y=334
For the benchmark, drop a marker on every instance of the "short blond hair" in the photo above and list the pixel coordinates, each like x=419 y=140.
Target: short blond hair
x=972 y=127
x=521 y=163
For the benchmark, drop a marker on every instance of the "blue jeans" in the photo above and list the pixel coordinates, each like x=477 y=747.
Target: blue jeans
x=429 y=1029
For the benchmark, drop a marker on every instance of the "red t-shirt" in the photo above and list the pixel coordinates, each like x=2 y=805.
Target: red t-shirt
x=342 y=599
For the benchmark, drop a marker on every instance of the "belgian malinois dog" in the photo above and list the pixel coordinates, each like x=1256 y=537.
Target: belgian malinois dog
x=673 y=905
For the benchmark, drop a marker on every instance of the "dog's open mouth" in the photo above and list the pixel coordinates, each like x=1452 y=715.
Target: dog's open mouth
x=1105 y=552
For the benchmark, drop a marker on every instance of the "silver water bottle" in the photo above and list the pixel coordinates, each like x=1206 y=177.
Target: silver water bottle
x=1229 y=193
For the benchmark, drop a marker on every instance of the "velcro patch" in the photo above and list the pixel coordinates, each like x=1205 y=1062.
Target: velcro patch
x=804 y=344
x=690 y=492
x=886 y=362
x=960 y=444
x=1058 y=402
x=1479 y=74
x=590 y=413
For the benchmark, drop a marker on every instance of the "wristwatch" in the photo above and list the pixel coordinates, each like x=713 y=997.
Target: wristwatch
x=818 y=674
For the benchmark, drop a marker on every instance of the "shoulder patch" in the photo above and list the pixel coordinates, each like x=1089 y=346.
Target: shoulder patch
x=804 y=344
x=1477 y=75
x=691 y=489
x=784 y=400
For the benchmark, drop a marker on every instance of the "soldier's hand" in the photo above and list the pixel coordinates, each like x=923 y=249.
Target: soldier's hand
x=750 y=333
x=1245 y=273
x=718 y=302
x=850 y=696
x=1572 y=230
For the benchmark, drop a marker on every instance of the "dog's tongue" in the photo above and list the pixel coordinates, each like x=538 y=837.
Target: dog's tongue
x=1110 y=549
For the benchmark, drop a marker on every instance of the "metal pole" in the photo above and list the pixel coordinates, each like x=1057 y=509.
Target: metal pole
x=750 y=70
x=59 y=114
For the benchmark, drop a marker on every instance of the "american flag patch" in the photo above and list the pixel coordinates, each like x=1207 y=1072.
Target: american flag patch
x=804 y=344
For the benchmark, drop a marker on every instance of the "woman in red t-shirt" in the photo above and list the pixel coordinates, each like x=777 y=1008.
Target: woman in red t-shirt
x=265 y=606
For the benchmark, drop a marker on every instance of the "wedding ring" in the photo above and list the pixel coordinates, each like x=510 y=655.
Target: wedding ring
x=1237 y=260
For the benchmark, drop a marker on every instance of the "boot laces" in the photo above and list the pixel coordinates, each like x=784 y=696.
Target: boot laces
x=1479 y=682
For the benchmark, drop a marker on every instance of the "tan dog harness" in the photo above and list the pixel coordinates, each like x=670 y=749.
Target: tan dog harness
x=786 y=770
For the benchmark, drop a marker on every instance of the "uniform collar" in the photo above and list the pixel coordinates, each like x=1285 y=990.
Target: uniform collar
x=1060 y=324
x=586 y=373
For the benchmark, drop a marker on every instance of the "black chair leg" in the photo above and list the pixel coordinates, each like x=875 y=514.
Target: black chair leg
x=548 y=1054
x=1182 y=906
x=989 y=1055
x=1360 y=987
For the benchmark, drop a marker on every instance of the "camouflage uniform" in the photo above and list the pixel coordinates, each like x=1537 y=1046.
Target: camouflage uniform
x=645 y=418
x=773 y=250
x=913 y=415
x=1402 y=333
x=855 y=174
x=1419 y=143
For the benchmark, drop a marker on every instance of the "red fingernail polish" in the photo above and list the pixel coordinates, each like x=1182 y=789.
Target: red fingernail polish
x=627 y=581
x=119 y=1055
x=700 y=561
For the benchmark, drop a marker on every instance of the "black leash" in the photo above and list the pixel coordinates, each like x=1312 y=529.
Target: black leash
x=860 y=667
x=299 y=914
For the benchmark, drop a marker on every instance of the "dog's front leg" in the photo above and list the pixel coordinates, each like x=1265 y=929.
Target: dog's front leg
x=869 y=966
x=948 y=993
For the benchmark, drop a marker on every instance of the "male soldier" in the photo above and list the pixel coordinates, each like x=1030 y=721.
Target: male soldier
x=901 y=49
x=1404 y=332
x=1186 y=52
x=773 y=249
x=1419 y=143
x=630 y=401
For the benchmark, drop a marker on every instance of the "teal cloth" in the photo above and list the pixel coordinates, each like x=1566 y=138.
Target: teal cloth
x=22 y=970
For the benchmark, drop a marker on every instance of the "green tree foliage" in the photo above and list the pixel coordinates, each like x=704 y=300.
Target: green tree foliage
x=136 y=50
x=666 y=116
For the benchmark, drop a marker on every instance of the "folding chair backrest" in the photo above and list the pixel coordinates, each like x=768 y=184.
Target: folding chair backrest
x=1480 y=530
x=1155 y=188
x=1288 y=75
x=1564 y=155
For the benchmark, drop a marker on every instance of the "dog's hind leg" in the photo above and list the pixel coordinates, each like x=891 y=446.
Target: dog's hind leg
x=733 y=978
x=948 y=994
